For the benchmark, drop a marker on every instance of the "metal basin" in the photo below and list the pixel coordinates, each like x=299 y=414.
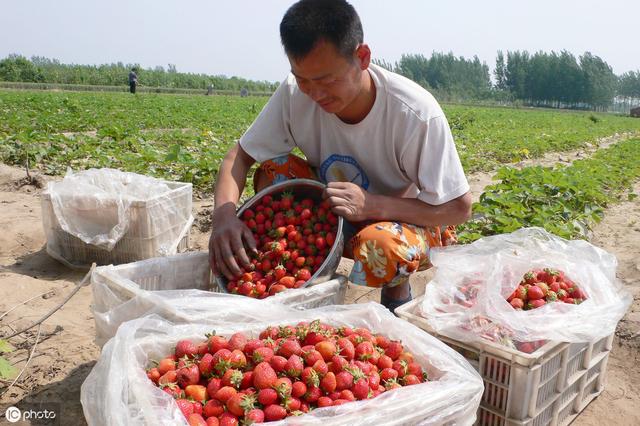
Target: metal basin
x=300 y=188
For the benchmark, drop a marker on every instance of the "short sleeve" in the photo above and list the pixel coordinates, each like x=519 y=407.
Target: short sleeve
x=432 y=162
x=269 y=136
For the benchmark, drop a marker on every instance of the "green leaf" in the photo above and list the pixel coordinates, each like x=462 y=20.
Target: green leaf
x=5 y=346
x=7 y=371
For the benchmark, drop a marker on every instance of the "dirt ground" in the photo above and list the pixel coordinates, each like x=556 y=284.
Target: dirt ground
x=66 y=352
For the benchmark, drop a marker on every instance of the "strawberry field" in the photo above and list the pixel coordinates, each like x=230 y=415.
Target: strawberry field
x=185 y=137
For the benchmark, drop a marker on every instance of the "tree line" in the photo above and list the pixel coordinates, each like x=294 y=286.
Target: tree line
x=541 y=79
x=556 y=79
x=38 y=69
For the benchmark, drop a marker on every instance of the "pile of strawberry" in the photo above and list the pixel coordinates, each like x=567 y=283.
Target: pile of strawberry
x=539 y=287
x=288 y=370
x=294 y=238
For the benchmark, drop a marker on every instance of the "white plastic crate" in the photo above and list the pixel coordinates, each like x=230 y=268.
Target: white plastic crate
x=550 y=386
x=148 y=235
x=125 y=292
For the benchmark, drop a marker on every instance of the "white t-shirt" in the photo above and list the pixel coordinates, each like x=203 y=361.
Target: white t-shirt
x=402 y=148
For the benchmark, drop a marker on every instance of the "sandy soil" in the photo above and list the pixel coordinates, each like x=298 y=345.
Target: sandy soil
x=66 y=353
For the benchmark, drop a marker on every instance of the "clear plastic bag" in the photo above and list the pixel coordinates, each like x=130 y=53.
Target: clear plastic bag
x=177 y=288
x=467 y=298
x=118 y=392
x=95 y=205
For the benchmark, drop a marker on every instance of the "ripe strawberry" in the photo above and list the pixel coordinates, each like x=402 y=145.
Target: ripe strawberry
x=213 y=386
x=344 y=380
x=264 y=376
x=535 y=293
x=517 y=303
x=388 y=374
x=196 y=392
x=278 y=363
x=224 y=393
x=154 y=375
x=327 y=349
x=393 y=350
x=274 y=412
x=185 y=406
x=232 y=377
x=294 y=366
x=213 y=408
x=536 y=303
x=338 y=363
x=188 y=376
x=238 y=404
x=237 y=359
x=410 y=379
x=324 y=401
x=544 y=287
x=298 y=389
x=310 y=377
x=347 y=395
x=313 y=393
x=228 y=419
x=328 y=383
x=185 y=348
x=255 y=415
x=361 y=389
x=311 y=356
x=374 y=380
x=262 y=354
x=365 y=350
x=205 y=365
x=196 y=420
x=267 y=396
x=346 y=348
x=166 y=364
x=290 y=347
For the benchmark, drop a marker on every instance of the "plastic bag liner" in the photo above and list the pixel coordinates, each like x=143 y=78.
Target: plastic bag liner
x=118 y=392
x=94 y=204
x=496 y=264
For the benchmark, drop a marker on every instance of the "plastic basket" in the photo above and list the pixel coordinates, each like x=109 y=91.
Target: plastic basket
x=115 y=287
x=550 y=386
x=144 y=238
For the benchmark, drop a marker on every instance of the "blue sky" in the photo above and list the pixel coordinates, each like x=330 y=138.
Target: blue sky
x=240 y=37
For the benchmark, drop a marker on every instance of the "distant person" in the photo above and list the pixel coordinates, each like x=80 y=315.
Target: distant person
x=379 y=141
x=244 y=92
x=210 y=89
x=133 y=80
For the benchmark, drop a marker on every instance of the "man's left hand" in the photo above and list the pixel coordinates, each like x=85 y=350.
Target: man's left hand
x=349 y=201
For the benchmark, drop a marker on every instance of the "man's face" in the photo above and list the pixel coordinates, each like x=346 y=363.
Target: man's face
x=328 y=78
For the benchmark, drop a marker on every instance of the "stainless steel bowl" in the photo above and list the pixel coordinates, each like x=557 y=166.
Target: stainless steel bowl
x=300 y=188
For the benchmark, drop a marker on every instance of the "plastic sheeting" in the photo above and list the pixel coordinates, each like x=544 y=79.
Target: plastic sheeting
x=495 y=265
x=96 y=205
x=118 y=392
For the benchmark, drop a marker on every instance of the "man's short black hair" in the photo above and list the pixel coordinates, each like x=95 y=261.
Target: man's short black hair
x=309 y=21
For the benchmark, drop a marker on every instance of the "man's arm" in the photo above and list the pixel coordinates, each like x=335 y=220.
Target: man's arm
x=356 y=204
x=412 y=210
x=229 y=235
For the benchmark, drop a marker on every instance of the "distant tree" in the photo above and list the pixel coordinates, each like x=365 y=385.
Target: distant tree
x=599 y=80
x=500 y=72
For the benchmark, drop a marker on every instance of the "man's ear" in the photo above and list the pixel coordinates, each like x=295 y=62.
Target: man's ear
x=363 y=56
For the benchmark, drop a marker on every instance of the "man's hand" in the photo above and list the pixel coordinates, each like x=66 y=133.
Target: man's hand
x=228 y=240
x=350 y=201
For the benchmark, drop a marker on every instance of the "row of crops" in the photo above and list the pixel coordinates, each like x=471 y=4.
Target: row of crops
x=180 y=137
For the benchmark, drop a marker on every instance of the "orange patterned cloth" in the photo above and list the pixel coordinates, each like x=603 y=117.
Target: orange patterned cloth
x=384 y=253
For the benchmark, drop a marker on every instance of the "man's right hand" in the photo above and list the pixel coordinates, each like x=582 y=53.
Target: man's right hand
x=229 y=241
